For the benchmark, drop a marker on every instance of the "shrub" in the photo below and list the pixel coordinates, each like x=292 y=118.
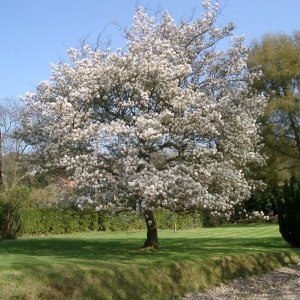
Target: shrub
x=10 y=203
x=289 y=212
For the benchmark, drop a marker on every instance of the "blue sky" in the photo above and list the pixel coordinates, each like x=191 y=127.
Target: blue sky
x=35 y=33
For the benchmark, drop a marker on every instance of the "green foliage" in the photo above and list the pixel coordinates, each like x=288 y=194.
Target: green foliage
x=124 y=221
x=18 y=196
x=265 y=199
x=44 y=196
x=289 y=213
x=278 y=57
x=9 y=221
x=169 y=220
x=53 y=220
x=10 y=203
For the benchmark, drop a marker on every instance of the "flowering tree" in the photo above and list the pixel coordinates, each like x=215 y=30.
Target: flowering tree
x=169 y=122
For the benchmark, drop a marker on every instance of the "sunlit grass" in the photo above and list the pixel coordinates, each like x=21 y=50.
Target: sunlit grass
x=109 y=265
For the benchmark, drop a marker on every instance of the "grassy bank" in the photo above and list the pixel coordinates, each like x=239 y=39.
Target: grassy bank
x=107 y=265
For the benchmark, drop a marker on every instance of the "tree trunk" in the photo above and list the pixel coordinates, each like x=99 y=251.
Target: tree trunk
x=152 y=238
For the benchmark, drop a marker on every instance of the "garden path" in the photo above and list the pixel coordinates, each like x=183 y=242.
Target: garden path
x=281 y=284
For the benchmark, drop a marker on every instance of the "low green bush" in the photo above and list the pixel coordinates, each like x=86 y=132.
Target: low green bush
x=11 y=201
x=9 y=220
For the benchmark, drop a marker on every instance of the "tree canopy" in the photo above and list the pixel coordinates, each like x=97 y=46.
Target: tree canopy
x=278 y=57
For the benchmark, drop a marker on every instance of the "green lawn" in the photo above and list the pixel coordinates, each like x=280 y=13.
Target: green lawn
x=108 y=265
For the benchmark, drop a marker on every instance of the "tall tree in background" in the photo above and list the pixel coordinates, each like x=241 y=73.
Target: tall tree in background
x=12 y=168
x=166 y=123
x=11 y=147
x=278 y=57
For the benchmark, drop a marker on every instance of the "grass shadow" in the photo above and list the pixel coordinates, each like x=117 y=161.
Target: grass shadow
x=110 y=266
x=120 y=250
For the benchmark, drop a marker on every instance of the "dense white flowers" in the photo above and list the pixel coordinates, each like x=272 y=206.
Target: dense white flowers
x=169 y=122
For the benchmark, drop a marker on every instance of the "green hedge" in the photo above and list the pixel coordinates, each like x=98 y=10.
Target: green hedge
x=51 y=220
x=44 y=221
x=166 y=220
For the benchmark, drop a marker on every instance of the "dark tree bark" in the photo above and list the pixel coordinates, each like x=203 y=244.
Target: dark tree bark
x=152 y=238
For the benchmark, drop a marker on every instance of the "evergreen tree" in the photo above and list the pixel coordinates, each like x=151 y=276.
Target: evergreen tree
x=289 y=212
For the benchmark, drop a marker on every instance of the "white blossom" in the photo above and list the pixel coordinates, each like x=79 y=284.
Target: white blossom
x=168 y=122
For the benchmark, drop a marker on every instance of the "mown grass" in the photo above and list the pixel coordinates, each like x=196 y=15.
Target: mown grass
x=108 y=265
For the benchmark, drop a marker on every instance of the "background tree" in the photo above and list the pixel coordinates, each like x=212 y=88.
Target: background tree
x=166 y=123
x=12 y=147
x=12 y=168
x=278 y=57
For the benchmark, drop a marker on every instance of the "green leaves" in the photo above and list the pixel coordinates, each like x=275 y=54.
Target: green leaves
x=289 y=212
x=278 y=57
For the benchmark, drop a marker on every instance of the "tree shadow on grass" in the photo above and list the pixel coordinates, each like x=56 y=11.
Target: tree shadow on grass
x=114 y=268
x=126 y=250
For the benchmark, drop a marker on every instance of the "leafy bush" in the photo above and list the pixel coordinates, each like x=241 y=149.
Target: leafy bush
x=289 y=213
x=10 y=203
x=44 y=196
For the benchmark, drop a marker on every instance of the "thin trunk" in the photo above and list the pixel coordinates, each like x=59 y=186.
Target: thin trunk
x=175 y=226
x=175 y=222
x=152 y=238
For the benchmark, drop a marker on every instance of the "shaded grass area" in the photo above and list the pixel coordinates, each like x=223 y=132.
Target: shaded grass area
x=108 y=265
